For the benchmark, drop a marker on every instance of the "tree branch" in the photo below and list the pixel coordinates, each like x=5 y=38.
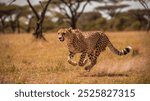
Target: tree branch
x=44 y=11
x=73 y=7
x=69 y=5
x=64 y=2
x=78 y=5
x=65 y=11
x=71 y=10
x=41 y=4
x=34 y=11
x=144 y=4
x=11 y=2
x=83 y=9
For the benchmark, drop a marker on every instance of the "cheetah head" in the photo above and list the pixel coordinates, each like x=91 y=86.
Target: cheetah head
x=63 y=33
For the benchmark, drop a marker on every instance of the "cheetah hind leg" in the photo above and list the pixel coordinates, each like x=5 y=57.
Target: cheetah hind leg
x=83 y=62
x=93 y=62
x=93 y=58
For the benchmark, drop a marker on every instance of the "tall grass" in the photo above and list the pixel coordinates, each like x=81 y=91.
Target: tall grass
x=23 y=60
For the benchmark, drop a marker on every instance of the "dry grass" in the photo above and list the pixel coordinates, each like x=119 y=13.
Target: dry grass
x=23 y=60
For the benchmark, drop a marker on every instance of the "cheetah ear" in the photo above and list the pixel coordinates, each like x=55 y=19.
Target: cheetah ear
x=70 y=29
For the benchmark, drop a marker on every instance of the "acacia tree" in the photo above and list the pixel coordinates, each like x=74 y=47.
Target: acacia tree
x=71 y=9
x=139 y=14
x=14 y=20
x=19 y=12
x=40 y=18
x=144 y=3
x=111 y=10
x=2 y=18
x=25 y=13
x=22 y=12
x=111 y=7
x=6 y=11
x=38 y=33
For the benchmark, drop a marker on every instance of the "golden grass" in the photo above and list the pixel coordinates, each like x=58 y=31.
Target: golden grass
x=23 y=60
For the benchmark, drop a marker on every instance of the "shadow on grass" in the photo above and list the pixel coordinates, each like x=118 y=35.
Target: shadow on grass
x=103 y=75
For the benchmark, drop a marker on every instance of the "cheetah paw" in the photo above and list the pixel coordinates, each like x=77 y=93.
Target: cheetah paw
x=72 y=62
x=87 y=68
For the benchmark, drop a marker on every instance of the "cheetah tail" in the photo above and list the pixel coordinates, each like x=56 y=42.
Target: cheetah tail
x=117 y=52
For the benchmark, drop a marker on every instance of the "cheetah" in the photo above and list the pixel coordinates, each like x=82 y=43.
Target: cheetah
x=90 y=43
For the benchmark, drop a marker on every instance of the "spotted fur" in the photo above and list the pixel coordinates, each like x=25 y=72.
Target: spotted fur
x=90 y=43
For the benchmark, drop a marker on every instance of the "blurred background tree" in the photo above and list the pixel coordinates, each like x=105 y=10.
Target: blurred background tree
x=111 y=10
x=71 y=9
x=38 y=32
x=11 y=13
x=110 y=15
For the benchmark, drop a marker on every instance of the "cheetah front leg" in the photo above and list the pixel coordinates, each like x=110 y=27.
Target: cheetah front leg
x=70 y=57
x=82 y=60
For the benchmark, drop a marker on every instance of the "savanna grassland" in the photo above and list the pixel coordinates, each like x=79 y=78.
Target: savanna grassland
x=24 y=60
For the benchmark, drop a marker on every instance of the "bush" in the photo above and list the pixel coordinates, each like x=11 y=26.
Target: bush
x=134 y=26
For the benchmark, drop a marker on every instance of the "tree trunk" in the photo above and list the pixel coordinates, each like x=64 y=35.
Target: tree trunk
x=3 y=25
x=74 y=23
x=12 y=24
x=18 y=26
x=38 y=33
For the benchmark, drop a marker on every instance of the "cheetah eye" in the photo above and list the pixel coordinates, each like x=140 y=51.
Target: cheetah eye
x=63 y=33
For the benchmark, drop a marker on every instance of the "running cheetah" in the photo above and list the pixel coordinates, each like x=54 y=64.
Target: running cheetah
x=92 y=44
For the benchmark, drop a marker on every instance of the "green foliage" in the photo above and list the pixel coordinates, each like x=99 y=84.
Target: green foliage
x=129 y=20
x=48 y=24
x=135 y=26
x=91 y=21
x=7 y=10
x=119 y=24
x=124 y=22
